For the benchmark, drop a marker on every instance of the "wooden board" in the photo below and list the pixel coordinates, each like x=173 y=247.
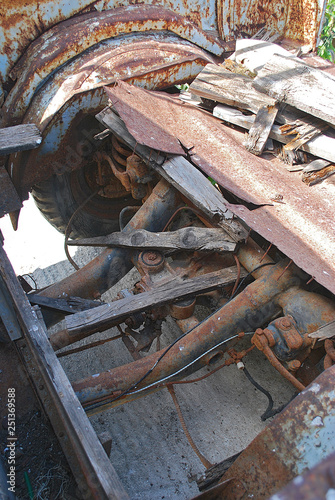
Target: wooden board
x=183 y=176
x=290 y=80
x=322 y=146
x=19 y=138
x=9 y=200
x=218 y=84
x=188 y=238
x=260 y=129
x=89 y=463
x=234 y=89
x=324 y=332
x=103 y=317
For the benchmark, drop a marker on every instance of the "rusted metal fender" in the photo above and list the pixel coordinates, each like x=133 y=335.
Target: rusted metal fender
x=295 y=441
x=149 y=60
x=315 y=483
x=70 y=38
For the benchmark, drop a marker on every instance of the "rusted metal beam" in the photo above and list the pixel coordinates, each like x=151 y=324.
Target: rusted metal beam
x=245 y=312
x=111 y=265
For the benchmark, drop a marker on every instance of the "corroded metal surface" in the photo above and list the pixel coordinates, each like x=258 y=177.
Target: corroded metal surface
x=139 y=118
x=295 y=441
x=22 y=22
x=120 y=58
x=301 y=225
x=252 y=306
x=319 y=482
x=295 y=20
x=70 y=38
x=150 y=60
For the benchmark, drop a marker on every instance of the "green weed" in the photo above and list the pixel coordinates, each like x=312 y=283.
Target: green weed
x=326 y=48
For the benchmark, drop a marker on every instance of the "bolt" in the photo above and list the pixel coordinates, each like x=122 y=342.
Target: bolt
x=294 y=365
x=151 y=255
x=285 y=322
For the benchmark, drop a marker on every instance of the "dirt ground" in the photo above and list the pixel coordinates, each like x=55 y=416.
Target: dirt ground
x=150 y=451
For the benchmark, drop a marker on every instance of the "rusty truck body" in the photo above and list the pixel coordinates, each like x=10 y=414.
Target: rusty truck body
x=116 y=160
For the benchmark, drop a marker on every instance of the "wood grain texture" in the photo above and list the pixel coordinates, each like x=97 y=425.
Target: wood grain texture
x=19 y=138
x=89 y=463
x=188 y=238
x=322 y=145
x=218 y=84
x=324 y=332
x=260 y=130
x=9 y=201
x=292 y=81
x=179 y=172
x=103 y=317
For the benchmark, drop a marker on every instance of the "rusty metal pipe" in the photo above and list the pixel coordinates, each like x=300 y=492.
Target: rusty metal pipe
x=252 y=307
x=111 y=265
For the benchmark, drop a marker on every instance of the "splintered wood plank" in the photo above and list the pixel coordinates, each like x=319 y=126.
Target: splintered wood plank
x=188 y=238
x=292 y=81
x=186 y=178
x=19 y=138
x=90 y=465
x=260 y=129
x=322 y=145
x=10 y=200
x=218 y=84
x=102 y=317
x=324 y=332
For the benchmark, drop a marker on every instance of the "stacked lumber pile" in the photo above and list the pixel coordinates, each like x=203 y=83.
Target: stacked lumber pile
x=281 y=100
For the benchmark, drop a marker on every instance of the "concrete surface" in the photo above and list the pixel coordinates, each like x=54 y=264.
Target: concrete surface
x=150 y=451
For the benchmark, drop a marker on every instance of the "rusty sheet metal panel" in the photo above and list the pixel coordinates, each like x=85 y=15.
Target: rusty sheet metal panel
x=75 y=91
x=72 y=37
x=298 y=20
x=319 y=482
x=115 y=59
x=295 y=441
x=22 y=22
x=301 y=224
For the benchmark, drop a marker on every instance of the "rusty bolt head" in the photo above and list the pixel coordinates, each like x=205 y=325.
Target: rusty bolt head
x=285 y=323
x=152 y=258
x=293 y=365
x=152 y=255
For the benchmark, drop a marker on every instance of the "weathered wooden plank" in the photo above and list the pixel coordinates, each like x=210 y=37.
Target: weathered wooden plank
x=188 y=238
x=292 y=81
x=89 y=463
x=304 y=129
x=316 y=176
x=70 y=305
x=84 y=451
x=234 y=89
x=19 y=138
x=103 y=317
x=322 y=146
x=182 y=175
x=218 y=84
x=324 y=332
x=260 y=129
x=9 y=201
x=254 y=54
